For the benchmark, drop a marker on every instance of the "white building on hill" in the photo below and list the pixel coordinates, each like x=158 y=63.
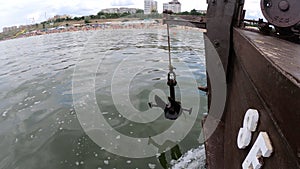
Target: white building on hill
x=174 y=6
x=149 y=6
x=120 y=10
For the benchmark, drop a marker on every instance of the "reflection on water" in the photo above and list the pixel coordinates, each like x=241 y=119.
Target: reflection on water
x=38 y=123
x=175 y=155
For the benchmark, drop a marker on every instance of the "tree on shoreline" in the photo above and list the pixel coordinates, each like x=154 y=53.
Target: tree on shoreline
x=192 y=12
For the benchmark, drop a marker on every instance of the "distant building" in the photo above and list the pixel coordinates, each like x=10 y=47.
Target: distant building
x=174 y=6
x=154 y=6
x=22 y=27
x=202 y=11
x=59 y=17
x=165 y=6
x=149 y=6
x=110 y=10
x=119 y=10
x=8 y=29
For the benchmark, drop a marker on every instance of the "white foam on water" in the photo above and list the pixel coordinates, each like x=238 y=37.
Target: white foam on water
x=151 y=166
x=106 y=162
x=193 y=159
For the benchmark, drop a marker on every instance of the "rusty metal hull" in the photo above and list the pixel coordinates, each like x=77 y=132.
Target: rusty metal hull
x=263 y=73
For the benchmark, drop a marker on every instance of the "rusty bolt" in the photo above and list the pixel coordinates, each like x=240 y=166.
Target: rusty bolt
x=217 y=43
x=284 y=5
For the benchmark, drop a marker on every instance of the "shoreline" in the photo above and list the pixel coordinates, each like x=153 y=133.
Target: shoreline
x=116 y=25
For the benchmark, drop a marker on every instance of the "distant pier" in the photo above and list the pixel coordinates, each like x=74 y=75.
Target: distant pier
x=185 y=20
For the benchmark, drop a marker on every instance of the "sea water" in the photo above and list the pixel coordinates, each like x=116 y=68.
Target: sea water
x=40 y=126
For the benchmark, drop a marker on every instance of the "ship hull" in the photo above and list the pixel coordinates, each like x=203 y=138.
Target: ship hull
x=263 y=73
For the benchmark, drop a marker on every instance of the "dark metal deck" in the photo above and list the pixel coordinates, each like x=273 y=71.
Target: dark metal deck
x=284 y=55
x=271 y=68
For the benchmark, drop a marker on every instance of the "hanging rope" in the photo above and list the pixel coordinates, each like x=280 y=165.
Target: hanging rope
x=173 y=108
x=169 y=49
x=171 y=75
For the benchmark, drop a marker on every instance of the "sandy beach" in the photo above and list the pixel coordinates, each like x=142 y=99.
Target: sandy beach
x=108 y=24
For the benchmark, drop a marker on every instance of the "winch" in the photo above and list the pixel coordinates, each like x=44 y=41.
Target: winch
x=284 y=15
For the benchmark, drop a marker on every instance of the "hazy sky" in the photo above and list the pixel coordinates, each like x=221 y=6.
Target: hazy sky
x=21 y=12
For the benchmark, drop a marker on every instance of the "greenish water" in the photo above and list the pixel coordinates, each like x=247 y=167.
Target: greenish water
x=39 y=125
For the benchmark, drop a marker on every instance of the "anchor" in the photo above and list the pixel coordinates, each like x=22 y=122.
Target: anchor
x=159 y=103
x=173 y=108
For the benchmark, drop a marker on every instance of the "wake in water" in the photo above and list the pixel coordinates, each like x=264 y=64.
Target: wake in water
x=193 y=159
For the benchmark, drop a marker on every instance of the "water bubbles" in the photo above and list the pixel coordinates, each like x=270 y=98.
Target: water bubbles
x=38 y=102
x=139 y=140
x=151 y=166
x=29 y=98
x=4 y=113
x=79 y=163
x=194 y=158
x=106 y=162
x=128 y=161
